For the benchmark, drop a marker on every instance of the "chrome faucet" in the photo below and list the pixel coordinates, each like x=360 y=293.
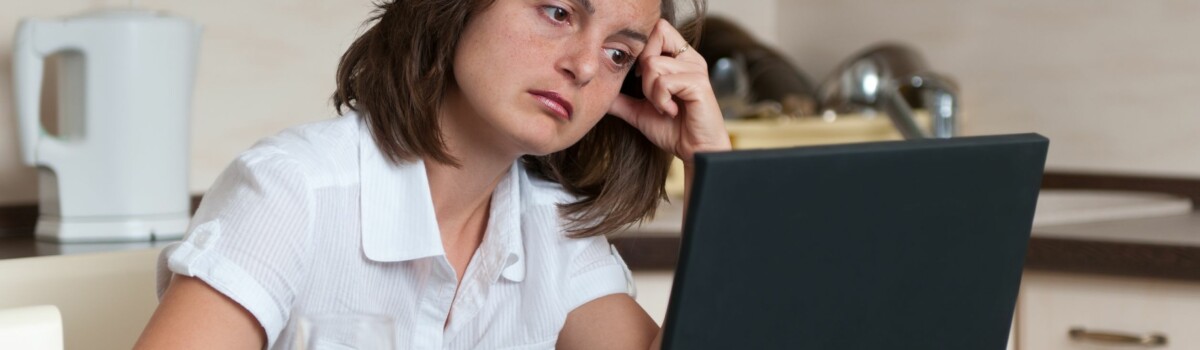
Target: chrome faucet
x=889 y=78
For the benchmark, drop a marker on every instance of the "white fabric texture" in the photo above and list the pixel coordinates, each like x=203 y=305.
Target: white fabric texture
x=314 y=220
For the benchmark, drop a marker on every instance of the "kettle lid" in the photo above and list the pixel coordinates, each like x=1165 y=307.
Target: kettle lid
x=122 y=15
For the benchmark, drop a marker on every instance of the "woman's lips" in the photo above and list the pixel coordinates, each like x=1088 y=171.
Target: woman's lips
x=555 y=103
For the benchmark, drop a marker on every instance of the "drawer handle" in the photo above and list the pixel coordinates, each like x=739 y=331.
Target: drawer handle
x=1150 y=340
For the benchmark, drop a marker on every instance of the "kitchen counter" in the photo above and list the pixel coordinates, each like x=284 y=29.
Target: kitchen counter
x=1143 y=234
x=1162 y=247
x=1158 y=247
x=25 y=246
x=1154 y=238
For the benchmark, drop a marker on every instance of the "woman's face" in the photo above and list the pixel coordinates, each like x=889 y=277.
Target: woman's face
x=540 y=73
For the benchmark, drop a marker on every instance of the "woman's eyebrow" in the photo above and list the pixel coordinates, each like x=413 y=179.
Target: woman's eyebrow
x=587 y=5
x=630 y=33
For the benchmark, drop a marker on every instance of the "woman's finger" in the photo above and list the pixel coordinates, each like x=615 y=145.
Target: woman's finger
x=665 y=40
x=680 y=112
x=654 y=44
x=658 y=65
x=630 y=108
x=659 y=59
x=686 y=87
x=643 y=116
x=655 y=67
x=660 y=95
x=660 y=127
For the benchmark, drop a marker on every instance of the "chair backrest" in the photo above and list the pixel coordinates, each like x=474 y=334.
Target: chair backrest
x=31 y=327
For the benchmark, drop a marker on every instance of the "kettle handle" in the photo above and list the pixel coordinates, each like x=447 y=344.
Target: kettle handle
x=29 y=55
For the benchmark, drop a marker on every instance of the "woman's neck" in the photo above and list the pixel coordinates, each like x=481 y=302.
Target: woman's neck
x=461 y=195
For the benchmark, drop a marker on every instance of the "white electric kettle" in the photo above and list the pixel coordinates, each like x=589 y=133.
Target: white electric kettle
x=118 y=168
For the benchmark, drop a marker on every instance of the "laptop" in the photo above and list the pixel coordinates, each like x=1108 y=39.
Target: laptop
x=886 y=245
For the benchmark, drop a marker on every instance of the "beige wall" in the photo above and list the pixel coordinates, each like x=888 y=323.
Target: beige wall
x=1112 y=83
x=758 y=16
x=264 y=65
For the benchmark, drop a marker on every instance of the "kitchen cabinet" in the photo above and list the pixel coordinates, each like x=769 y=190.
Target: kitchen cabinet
x=105 y=298
x=1053 y=303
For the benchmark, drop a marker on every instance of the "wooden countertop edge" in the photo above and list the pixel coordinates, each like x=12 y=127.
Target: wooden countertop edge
x=1114 y=258
x=1179 y=186
x=1050 y=254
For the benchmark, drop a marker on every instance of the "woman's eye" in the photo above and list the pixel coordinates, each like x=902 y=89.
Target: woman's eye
x=556 y=13
x=620 y=57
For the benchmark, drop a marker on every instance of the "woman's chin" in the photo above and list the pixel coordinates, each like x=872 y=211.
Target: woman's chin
x=540 y=139
x=541 y=149
x=544 y=144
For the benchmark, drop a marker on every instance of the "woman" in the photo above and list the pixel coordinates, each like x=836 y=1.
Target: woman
x=463 y=192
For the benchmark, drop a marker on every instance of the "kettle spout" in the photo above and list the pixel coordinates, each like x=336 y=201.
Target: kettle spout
x=939 y=95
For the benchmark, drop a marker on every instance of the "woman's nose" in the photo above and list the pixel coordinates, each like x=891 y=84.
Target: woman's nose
x=580 y=63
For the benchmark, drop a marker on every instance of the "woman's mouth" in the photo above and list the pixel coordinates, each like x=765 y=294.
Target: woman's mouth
x=554 y=102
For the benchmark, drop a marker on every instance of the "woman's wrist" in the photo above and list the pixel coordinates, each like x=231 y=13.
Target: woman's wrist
x=719 y=146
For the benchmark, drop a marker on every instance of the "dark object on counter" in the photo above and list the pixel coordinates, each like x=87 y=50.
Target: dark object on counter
x=887 y=245
x=770 y=75
x=893 y=79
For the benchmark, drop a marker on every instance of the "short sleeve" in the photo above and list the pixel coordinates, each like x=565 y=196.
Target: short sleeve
x=249 y=236
x=596 y=271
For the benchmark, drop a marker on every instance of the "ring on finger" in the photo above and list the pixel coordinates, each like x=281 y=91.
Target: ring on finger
x=685 y=48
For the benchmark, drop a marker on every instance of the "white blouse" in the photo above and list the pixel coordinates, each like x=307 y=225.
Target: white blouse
x=314 y=220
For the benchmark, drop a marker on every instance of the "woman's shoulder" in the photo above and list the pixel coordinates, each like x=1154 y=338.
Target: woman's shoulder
x=314 y=141
x=321 y=150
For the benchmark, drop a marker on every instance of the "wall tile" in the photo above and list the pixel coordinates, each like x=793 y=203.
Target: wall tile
x=1111 y=83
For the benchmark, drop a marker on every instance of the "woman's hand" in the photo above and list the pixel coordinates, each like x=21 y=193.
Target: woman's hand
x=680 y=112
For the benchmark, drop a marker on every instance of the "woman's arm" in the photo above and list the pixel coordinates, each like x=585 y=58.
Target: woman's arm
x=193 y=315
x=680 y=114
x=615 y=321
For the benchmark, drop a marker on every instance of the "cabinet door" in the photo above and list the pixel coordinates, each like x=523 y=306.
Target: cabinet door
x=1106 y=312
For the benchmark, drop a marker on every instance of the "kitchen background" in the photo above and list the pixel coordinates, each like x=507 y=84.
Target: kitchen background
x=1113 y=83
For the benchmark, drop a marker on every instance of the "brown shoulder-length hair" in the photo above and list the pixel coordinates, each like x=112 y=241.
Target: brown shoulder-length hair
x=397 y=72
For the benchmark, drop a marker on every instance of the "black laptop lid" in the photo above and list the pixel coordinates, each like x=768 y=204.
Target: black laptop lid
x=888 y=245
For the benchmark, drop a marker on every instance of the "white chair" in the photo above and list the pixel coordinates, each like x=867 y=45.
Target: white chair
x=32 y=328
